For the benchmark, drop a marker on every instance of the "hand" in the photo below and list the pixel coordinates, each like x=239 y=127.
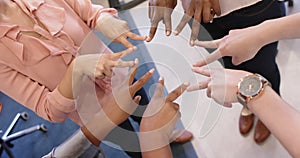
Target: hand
x=117 y=30
x=160 y=10
x=221 y=85
x=100 y=65
x=241 y=45
x=160 y=117
x=201 y=10
x=117 y=109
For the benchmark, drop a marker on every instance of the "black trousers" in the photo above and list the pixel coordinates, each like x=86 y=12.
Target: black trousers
x=264 y=62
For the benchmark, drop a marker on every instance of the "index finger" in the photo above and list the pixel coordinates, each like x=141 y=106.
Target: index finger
x=209 y=59
x=124 y=41
x=216 y=6
x=152 y=30
x=177 y=92
x=159 y=88
x=118 y=55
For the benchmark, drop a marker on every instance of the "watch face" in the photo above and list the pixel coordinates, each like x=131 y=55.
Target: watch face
x=250 y=86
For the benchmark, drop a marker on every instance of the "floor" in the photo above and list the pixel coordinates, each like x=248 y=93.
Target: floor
x=215 y=128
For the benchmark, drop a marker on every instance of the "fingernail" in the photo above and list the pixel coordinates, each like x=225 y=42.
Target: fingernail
x=148 y=39
x=160 y=78
x=192 y=43
x=176 y=33
x=168 y=33
x=152 y=70
x=134 y=48
x=136 y=61
x=228 y=105
x=139 y=98
x=186 y=84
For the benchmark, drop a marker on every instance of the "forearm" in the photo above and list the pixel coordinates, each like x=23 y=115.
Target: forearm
x=65 y=86
x=282 y=119
x=279 y=29
x=161 y=152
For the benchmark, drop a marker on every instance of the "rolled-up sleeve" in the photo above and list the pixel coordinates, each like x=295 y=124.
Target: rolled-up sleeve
x=89 y=12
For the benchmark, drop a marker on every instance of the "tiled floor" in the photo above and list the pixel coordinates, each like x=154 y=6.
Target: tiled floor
x=216 y=128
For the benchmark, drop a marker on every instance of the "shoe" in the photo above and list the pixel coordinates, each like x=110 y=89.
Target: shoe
x=246 y=123
x=181 y=136
x=261 y=132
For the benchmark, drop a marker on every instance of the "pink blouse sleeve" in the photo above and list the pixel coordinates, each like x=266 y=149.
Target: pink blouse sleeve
x=88 y=11
x=49 y=105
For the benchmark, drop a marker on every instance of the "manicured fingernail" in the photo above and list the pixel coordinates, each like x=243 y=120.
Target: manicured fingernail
x=136 y=61
x=152 y=70
x=192 y=43
x=160 y=78
x=148 y=39
x=168 y=33
x=186 y=84
x=176 y=33
x=228 y=105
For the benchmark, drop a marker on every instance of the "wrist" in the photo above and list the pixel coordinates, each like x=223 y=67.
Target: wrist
x=267 y=32
x=258 y=102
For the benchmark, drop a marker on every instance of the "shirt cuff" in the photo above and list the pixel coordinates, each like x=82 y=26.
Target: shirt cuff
x=62 y=103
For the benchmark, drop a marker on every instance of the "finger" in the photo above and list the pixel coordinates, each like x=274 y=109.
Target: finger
x=152 y=31
x=135 y=36
x=201 y=85
x=209 y=59
x=108 y=72
x=159 y=88
x=133 y=71
x=124 y=41
x=168 y=22
x=116 y=56
x=202 y=71
x=196 y=23
x=195 y=32
x=175 y=106
x=216 y=6
x=137 y=99
x=177 y=92
x=207 y=11
x=185 y=19
x=208 y=92
x=208 y=44
x=150 y=10
x=120 y=63
x=236 y=61
x=141 y=82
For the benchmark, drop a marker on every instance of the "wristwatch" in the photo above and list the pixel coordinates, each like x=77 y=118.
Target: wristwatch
x=251 y=87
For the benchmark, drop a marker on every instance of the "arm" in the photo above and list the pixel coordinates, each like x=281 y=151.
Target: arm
x=104 y=20
x=158 y=122
x=243 y=44
x=200 y=11
x=49 y=105
x=281 y=118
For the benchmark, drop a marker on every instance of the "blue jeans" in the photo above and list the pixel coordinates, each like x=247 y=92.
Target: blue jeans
x=264 y=62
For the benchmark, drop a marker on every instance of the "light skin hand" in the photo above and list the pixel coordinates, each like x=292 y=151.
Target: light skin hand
x=118 y=108
x=199 y=10
x=160 y=10
x=94 y=66
x=117 y=30
x=241 y=45
x=221 y=84
x=161 y=113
